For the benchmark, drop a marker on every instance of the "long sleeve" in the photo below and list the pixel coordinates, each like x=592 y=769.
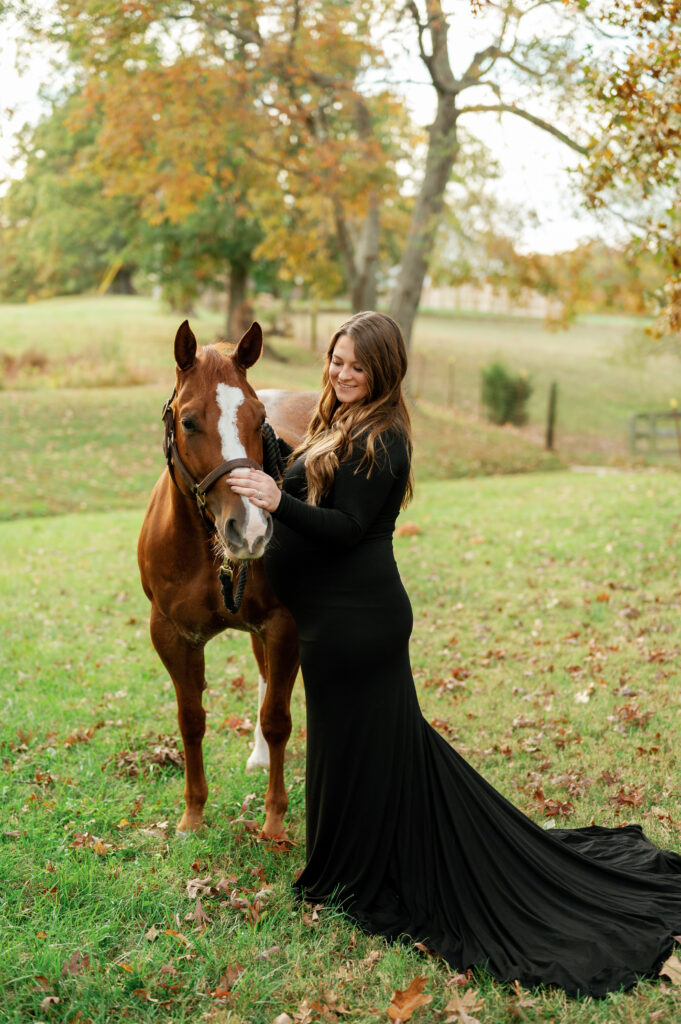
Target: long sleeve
x=355 y=500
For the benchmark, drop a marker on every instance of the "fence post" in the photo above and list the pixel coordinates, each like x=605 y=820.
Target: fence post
x=313 y=328
x=675 y=414
x=632 y=434
x=450 y=382
x=551 y=415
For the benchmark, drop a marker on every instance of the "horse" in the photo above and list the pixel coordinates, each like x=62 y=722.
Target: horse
x=214 y=422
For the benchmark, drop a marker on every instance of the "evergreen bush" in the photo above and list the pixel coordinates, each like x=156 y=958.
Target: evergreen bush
x=505 y=395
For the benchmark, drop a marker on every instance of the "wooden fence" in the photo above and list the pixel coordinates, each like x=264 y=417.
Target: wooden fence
x=655 y=433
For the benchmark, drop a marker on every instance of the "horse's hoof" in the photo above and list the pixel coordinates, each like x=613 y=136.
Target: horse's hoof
x=186 y=826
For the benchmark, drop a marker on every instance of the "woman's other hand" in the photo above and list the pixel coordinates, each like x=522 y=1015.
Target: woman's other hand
x=258 y=487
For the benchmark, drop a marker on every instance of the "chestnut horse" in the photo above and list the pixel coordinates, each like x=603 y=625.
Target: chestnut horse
x=214 y=422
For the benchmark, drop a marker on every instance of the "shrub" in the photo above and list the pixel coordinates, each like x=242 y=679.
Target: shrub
x=505 y=395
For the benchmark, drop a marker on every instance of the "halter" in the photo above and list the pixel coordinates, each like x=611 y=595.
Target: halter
x=273 y=464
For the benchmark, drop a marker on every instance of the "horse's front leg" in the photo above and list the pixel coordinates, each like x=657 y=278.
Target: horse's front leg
x=186 y=664
x=278 y=659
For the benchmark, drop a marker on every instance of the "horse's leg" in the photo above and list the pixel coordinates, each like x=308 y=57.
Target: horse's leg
x=186 y=664
x=279 y=655
x=260 y=755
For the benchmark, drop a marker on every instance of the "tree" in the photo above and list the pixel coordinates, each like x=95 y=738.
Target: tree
x=60 y=235
x=261 y=104
x=511 y=58
x=635 y=169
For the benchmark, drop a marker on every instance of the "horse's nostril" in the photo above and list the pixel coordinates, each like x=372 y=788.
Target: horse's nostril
x=233 y=534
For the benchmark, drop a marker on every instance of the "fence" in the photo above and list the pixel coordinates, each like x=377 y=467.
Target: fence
x=655 y=433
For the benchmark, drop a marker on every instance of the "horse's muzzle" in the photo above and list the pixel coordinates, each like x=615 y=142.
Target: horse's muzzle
x=246 y=539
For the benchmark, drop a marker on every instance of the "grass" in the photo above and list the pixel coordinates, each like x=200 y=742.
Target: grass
x=110 y=341
x=545 y=647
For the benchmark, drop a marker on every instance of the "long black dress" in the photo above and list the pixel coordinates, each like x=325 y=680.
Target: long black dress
x=399 y=827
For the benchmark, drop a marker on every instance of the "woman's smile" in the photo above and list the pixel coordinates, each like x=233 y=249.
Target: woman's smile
x=345 y=373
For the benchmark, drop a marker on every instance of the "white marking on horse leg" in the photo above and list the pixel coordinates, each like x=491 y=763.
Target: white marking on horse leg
x=260 y=755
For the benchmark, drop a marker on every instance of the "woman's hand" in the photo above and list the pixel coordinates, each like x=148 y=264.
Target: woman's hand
x=258 y=487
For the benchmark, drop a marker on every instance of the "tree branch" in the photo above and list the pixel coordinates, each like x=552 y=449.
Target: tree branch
x=539 y=122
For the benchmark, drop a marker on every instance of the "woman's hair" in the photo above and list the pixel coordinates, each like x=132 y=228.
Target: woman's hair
x=335 y=426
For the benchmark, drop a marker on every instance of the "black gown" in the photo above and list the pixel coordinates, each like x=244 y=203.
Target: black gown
x=400 y=829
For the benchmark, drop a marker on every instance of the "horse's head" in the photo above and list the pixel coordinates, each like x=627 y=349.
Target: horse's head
x=218 y=419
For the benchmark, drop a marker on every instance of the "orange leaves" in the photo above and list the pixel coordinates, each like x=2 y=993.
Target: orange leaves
x=405 y=1001
x=628 y=796
x=629 y=715
x=84 y=840
x=408 y=529
x=240 y=726
x=553 y=808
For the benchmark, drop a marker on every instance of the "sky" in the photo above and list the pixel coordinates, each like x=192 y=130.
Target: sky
x=534 y=164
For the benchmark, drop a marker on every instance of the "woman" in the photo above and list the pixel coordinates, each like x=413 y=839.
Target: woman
x=399 y=828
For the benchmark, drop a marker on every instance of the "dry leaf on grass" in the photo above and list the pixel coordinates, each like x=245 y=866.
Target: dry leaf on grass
x=199 y=916
x=405 y=1001
x=671 y=969
x=200 y=886
x=408 y=529
x=76 y=965
x=226 y=982
x=459 y=1008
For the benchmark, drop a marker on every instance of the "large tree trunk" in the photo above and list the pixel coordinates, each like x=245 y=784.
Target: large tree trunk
x=425 y=218
x=238 y=286
x=364 y=286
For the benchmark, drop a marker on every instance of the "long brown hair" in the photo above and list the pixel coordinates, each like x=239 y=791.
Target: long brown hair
x=335 y=426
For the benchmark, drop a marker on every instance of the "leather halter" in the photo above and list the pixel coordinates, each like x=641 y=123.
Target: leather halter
x=199 y=488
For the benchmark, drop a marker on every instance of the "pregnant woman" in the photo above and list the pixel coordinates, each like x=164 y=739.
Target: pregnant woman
x=401 y=831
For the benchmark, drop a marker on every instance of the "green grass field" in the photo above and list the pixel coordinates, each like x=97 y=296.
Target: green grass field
x=120 y=340
x=546 y=646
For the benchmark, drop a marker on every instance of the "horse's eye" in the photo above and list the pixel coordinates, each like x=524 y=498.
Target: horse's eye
x=189 y=425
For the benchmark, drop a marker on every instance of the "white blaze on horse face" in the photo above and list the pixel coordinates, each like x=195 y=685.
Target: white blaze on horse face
x=229 y=400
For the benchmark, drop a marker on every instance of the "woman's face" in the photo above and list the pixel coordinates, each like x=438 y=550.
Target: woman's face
x=347 y=377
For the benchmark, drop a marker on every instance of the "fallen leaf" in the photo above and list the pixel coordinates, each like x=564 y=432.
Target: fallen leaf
x=304 y=1014
x=371 y=959
x=671 y=969
x=200 y=885
x=152 y=933
x=49 y=1001
x=408 y=529
x=226 y=982
x=199 y=915
x=283 y=1018
x=405 y=1001
x=311 y=919
x=267 y=953
x=459 y=1008
x=178 y=935
x=76 y=965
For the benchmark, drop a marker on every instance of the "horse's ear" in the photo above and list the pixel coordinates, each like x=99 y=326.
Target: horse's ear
x=249 y=347
x=185 y=346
